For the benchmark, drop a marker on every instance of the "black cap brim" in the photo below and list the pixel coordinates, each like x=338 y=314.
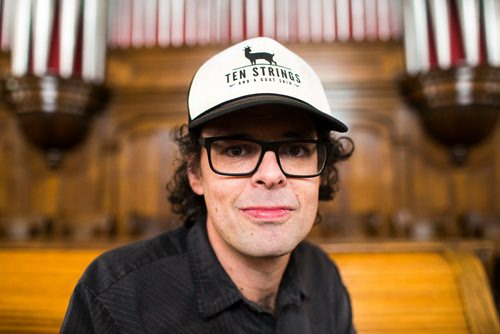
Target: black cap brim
x=326 y=121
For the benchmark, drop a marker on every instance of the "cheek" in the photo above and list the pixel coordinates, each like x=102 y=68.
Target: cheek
x=307 y=188
x=220 y=192
x=307 y=192
x=215 y=200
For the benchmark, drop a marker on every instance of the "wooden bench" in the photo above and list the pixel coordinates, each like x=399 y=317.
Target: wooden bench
x=401 y=288
x=418 y=287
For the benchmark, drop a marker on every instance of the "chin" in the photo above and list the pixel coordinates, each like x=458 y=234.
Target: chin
x=269 y=249
x=268 y=254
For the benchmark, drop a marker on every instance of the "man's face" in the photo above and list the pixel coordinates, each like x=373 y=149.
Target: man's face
x=265 y=214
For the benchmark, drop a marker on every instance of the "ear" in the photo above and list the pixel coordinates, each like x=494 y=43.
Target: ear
x=195 y=181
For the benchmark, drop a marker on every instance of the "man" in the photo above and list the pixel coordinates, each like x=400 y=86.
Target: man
x=257 y=155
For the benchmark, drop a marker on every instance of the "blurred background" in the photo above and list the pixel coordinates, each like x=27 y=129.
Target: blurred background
x=92 y=89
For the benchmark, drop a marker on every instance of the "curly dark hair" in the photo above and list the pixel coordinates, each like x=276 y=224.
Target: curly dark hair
x=191 y=206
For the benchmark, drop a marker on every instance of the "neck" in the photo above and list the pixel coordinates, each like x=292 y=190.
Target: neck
x=258 y=279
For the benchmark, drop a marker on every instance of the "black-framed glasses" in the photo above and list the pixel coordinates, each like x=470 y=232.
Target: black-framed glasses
x=236 y=156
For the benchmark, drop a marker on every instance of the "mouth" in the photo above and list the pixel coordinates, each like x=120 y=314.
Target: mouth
x=267 y=213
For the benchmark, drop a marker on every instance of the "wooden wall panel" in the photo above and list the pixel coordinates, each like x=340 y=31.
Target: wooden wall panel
x=147 y=157
x=4 y=162
x=144 y=174
x=15 y=177
x=370 y=170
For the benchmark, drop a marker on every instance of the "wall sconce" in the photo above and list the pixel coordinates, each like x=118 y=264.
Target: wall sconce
x=56 y=82
x=53 y=113
x=452 y=52
x=458 y=107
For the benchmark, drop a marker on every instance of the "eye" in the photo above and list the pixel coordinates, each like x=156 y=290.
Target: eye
x=298 y=150
x=234 y=151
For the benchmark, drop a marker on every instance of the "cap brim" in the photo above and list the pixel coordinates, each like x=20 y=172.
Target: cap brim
x=326 y=121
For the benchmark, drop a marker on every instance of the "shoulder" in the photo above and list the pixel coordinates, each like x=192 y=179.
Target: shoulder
x=315 y=264
x=323 y=283
x=313 y=255
x=114 y=265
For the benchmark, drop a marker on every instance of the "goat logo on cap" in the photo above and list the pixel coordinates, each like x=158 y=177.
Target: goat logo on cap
x=258 y=55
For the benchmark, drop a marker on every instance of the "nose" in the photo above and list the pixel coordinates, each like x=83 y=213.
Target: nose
x=269 y=173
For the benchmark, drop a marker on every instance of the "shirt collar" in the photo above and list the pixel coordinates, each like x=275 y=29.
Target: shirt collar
x=292 y=289
x=215 y=291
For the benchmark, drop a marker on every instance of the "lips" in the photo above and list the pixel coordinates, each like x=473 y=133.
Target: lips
x=267 y=213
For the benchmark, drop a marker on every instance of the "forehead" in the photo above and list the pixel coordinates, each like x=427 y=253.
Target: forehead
x=269 y=122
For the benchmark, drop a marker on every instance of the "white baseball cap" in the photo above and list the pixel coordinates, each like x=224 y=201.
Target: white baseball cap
x=255 y=72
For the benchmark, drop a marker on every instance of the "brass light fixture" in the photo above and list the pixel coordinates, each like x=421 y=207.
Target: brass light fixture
x=57 y=72
x=53 y=113
x=458 y=107
x=452 y=51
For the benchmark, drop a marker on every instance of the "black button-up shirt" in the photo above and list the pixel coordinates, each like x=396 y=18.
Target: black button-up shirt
x=174 y=283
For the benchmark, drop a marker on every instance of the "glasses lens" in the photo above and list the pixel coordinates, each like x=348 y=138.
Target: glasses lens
x=241 y=157
x=302 y=158
x=234 y=156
